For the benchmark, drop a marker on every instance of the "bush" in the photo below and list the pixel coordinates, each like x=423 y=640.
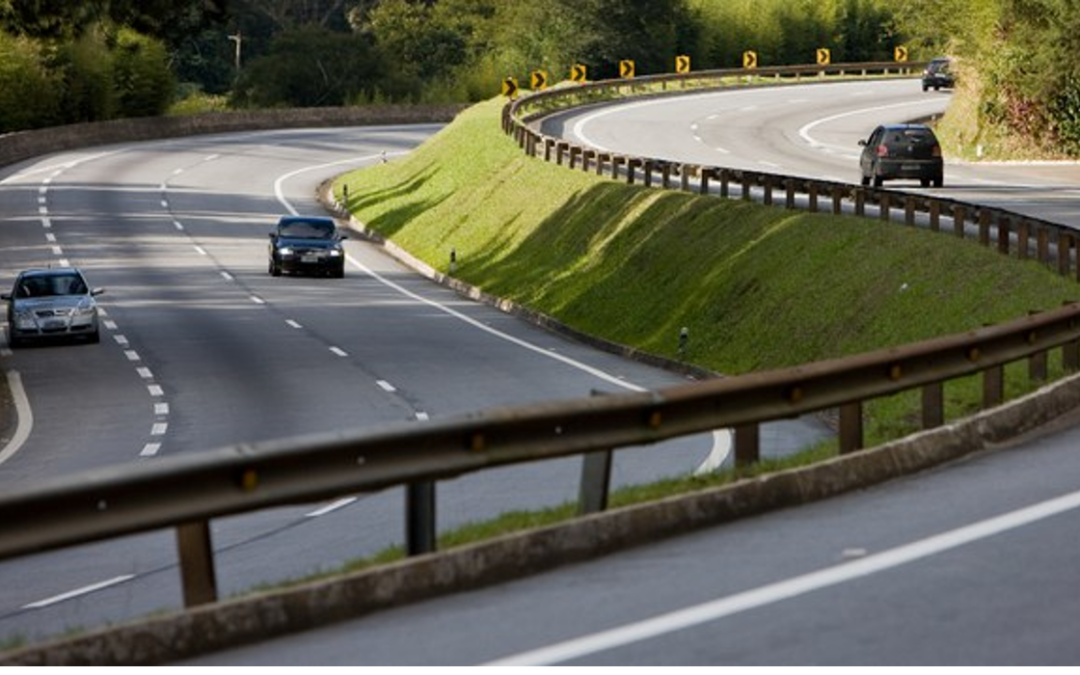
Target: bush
x=29 y=93
x=144 y=82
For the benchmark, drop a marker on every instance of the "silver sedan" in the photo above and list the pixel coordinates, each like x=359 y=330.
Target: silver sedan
x=51 y=303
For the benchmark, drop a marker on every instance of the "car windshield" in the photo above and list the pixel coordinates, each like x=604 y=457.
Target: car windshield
x=51 y=285
x=303 y=229
x=916 y=136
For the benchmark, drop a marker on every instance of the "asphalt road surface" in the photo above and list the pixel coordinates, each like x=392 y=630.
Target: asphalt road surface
x=970 y=564
x=202 y=348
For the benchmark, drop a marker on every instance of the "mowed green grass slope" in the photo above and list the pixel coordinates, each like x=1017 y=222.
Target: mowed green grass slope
x=757 y=287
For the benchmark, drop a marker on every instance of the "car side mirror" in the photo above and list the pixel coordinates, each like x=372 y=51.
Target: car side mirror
x=862 y=142
x=271 y=234
x=5 y=296
x=97 y=291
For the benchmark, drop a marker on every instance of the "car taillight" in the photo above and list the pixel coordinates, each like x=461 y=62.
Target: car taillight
x=882 y=150
x=937 y=151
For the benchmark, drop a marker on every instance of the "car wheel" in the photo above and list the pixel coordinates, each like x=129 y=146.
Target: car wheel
x=275 y=269
x=925 y=182
x=338 y=273
x=15 y=342
x=924 y=87
x=95 y=337
x=939 y=181
x=878 y=181
x=865 y=181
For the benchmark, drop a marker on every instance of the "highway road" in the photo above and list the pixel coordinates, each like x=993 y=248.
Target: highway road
x=970 y=564
x=202 y=348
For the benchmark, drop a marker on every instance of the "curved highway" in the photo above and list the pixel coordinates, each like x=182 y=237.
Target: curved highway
x=202 y=348
x=969 y=564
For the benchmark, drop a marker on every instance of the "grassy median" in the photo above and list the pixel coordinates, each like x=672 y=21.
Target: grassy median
x=757 y=287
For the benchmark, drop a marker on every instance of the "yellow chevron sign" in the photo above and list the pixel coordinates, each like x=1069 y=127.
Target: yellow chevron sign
x=749 y=59
x=682 y=64
x=579 y=73
x=626 y=69
x=509 y=87
x=900 y=54
x=823 y=57
x=538 y=80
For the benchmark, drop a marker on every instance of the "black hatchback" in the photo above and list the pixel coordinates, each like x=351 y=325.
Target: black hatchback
x=899 y=151
x=307 y=244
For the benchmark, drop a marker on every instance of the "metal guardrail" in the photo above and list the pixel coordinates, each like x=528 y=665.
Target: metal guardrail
x=1011 y=233
x=185 y=492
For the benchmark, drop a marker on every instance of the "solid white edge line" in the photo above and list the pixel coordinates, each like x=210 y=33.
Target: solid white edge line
x=25 y=422
x=85 y=590
x=339 y=504
x=790 y=588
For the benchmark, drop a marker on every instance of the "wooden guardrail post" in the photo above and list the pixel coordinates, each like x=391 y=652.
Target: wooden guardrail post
x=1003 y=234
x=420 y=537
x=647 y=166
x=789 y=197
x=958 y=221
x=993 y=386
x=549 y=144
x=745 y=182
x=725 y=183
x=665 y=175
x=1064 y=252
x=767 y=186
x=1042 y=238
x=812 y=196
x=196 y=563
x=837 y=200
x=851 y=427
x=631 y=170
x=1023 y=239
x=909 y=210
x=1070 y=356
x=560 y=150
x=935 y=215
x=885 y=207
x=933 y=405
x=616 y=160
x=706 y=174
x=984 y=227
x=860 y=202
x=747 y=445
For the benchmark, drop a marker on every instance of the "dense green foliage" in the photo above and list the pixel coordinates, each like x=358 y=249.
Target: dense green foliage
x=66 y=61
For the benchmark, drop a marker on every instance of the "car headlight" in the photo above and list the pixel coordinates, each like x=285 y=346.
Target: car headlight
x=335 y=253
x=285 y=250
x=25 y=321
x=85 y=310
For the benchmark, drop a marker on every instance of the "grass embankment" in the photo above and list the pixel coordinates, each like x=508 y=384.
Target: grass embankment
x=758 y=288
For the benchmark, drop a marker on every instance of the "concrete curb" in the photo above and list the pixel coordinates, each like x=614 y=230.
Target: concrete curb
x=231 y=623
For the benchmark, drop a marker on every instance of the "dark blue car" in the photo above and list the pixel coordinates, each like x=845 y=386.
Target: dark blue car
x=307 y=244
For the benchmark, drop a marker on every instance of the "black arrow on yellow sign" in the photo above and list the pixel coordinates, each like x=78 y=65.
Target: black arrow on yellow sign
x=538 y=80
x=579 y=73
x=682 y=64
x=823 y=57
x=749 y=59
x=900 y=54
x=626 y=69
x=509 y=87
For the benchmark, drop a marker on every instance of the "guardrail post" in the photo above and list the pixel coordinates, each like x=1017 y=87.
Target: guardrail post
x=684 y=177
x=616 y=160
x=1043 y=244
x=958 y=221
x=631 y=169
x=420 y=518
x=851 y=427
x=885 y=206
x=705 y=175
x=767 y=185
x=1064 y=250
x=665 y=175
x=993 y=386
x=812 y=193
x=860 y=202
x=725 y=183
x=586 y=158
x=984 y=227
x=1023 y=239
x=196 y=563
x=935 y=215
x=1070 y=356
x=549 y=143
x=647 y=167
x=1003 y=234
x=595 y=482
x=560 y=149
x=789 y=199
x=1037 y=370
x=837 y=200
x=909 y=210
x=933 y=405
x=574 y=151
x=745 y=186
x=747 y=445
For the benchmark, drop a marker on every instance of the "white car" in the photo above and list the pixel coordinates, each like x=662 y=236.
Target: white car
x=52 y=303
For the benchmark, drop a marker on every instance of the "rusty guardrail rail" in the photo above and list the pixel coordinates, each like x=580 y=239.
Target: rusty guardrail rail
x=186 y=492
